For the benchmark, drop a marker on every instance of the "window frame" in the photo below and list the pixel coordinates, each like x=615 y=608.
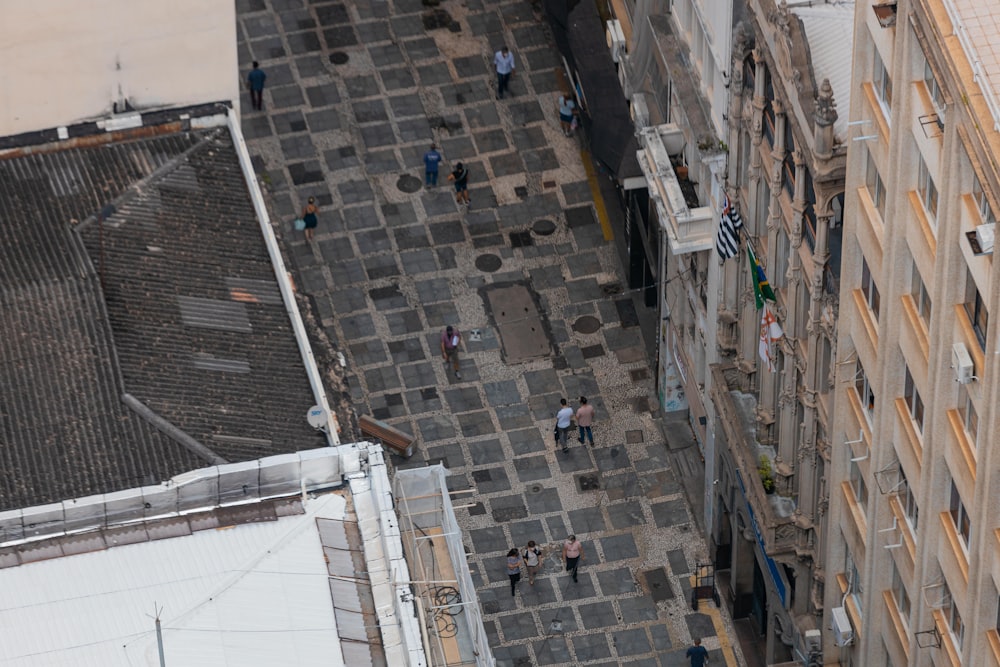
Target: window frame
x=926 y=189
x=857 y=481
x=865 y=391
x=875 y=185
x=900 y=595
x=921 y=297
x=933 y=89
x=960 y=517
x=873 y=298
x=982 y=201
x=953 y=617
x=908 y=502
x=914 y=404
x=975 y=308
x=881 y=82
x=970 y=416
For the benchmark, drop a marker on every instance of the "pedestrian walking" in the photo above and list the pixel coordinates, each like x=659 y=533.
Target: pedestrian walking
x=564 y=419
x=309 y=218
x=572 y=554
x=255 y=82
x=698 y=654
x=451 y=338
x=567 y=112
x=504 y=61
x=431 y=161
x=513 y=569
x=584 y=419
x=532 y=560
x=460 y=175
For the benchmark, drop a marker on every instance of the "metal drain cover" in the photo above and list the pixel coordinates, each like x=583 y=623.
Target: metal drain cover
x=522 y=334
x=339 y=57
x=587 y=324
x=544 y=227
x=408 y=183
x=488 y=263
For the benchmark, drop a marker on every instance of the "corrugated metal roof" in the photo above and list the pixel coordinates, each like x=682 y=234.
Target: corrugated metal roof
x=830 y=32
x=252 y=594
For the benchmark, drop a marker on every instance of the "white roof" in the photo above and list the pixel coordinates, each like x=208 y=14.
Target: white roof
x=252 y=594
x=977 y=24
x=830 y=32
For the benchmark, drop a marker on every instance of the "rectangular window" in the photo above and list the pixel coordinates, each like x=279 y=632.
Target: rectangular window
x=853 y=578
x=858 y=483
x=876 y=189
x=976 y=308
x=745 y=156
x=870 y=289
x=908 y=501
x=953 y=618
x=899 y=594
x=864 y=389
x=982 y=201
x=882 y=82
x=914 y=403
x=970 y=418
x=937 y=97
x=926 y=188
x=959 y=515
x=920 y=296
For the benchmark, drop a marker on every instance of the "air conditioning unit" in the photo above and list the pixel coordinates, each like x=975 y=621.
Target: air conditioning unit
x=962 y=363
x=616 y=39
x=985 y=234
x=843 y=634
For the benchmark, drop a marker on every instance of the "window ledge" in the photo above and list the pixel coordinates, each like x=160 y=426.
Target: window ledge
x=927 y=229
x=993 y=639
x=873 y=216
x=971 y=340
x=965 y=444
x=867 y=317
x=918 y=325
x=877 y=111
x=859 y=415
x=904 y=528
x=955 y=543
x=857 y=511
x=947 y=639
x=912 y=435
x=902 y=631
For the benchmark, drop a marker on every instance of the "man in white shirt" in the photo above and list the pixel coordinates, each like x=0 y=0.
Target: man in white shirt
x=564 y=419
x=504 y=61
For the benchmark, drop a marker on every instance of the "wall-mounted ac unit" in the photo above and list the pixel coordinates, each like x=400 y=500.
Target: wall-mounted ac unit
x=962 y=363
x=843 y=634
x=616 y=39
x=813 y=641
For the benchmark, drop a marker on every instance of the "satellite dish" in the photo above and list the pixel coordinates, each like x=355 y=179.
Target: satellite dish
x=317 y=417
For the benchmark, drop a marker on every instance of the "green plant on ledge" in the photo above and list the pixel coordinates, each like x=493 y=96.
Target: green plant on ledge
x=766 y=473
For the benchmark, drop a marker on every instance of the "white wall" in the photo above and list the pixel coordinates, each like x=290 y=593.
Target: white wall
x=64 y=61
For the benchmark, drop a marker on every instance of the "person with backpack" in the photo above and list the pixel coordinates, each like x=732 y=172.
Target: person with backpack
x=460 y=176
x=532 y=556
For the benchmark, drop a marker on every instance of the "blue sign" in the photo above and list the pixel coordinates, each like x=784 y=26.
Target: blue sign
x=772 y=567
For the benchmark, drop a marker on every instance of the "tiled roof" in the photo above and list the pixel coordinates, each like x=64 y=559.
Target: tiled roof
x=189 y=321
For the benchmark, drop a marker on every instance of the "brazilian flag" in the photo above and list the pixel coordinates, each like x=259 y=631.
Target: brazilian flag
x=761 y=288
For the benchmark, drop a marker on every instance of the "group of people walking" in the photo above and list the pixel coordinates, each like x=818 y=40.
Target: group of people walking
x=584 y=418
x=531 y=558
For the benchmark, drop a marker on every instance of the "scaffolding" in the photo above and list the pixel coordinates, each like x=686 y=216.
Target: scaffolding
x=443 y=592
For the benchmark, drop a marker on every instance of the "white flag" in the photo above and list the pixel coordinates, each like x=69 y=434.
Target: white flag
x=770 y=333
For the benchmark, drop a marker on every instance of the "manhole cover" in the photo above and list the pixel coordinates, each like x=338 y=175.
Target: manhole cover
x=535 y=488
x=632 y=437
x=588 y=482
x=544 y=227
x=587 y=324
x=488 y=263
x=521 y=239
x=408 y=183
x=339 y=57
x=611 y=289
x=639 y=374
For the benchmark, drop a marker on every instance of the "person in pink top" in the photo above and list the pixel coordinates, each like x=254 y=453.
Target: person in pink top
x=584 y=418
x=450 y=340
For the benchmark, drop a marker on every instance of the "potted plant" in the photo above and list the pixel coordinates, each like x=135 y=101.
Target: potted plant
x=766 y=473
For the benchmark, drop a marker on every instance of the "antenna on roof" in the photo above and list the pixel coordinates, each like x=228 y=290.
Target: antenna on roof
x=159 y=636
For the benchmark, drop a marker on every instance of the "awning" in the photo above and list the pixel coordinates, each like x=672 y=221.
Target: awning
x=579 y=34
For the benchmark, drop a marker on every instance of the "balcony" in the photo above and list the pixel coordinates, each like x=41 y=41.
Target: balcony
x=688 y=227
x=778 y=533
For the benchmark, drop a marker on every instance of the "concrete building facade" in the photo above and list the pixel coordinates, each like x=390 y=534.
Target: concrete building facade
x=915 y=547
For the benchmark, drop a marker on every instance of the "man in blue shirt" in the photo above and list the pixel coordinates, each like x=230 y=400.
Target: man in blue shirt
x=504 y=61
x=431 y=161
x=698 y=654
x=255 y=82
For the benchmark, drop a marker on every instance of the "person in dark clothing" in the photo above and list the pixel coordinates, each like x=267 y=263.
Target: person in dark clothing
x=255 y=82
x=698 y=654
x=309 y=217
x=513 y=569
x=431 y=161
x=460 y=176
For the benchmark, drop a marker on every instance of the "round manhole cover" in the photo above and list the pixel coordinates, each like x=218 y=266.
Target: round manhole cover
x=409 y=184
x=339 y=57
x=587 y=324
x=488 y=263
x=543 y=227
